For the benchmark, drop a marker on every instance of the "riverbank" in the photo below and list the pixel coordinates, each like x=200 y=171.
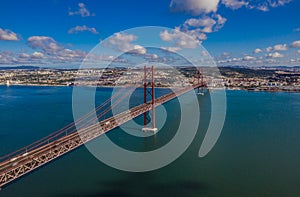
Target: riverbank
x=264 y=89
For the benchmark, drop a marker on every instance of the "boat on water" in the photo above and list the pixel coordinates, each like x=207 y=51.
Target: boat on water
x=7 y=83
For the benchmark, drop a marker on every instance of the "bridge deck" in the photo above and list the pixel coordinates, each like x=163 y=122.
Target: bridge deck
x=21 y=164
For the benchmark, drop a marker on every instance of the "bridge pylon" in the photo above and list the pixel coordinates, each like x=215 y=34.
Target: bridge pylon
x=149 y=79
x=201 y=82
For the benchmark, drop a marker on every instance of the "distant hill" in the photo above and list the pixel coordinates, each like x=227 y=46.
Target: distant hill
x=19 y=67
x=261 y=67
x=246 y=72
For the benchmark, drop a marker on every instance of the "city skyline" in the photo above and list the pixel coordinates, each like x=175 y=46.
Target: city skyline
x=235 y=32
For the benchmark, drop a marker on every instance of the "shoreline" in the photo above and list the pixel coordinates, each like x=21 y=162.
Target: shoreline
x=87 y=86
x=91 y=86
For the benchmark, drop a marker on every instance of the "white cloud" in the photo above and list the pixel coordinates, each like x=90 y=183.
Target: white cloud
x=234 y=4
x=12 y=58
x=270 y=61
x=138 y=49
x=167 y=36
x=296 y=44
x=171 y=49
x=5 y=57
x=92 y=56
x=235 y=59
x=152 y=57
x=181 y=39
x=123 y=42
x=220 y=22
x=47 y=44
x=24 y=55
x=155 y=56
x=82 y=28
x=209 y=21
x=269 y=49
x=122 y=37
x=225 y=54
x=193 y=31
x=274 y=55
x=196 y=34
x=205 y=24
x=205 y=53
x=53 y=50
x=8 y=35
x=195 y=7
x=258 y=50
x=249 y=58
x=263 y=8
x=82 y=11
x=265 y=5
x=280 y=47
x=68 y=55
x=38 y=55
x=276 y=3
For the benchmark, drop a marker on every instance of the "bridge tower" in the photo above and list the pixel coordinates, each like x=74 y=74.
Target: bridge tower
x=200 y=78
x=149 y=74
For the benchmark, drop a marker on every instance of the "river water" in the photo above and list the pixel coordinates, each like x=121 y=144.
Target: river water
x=257 y=154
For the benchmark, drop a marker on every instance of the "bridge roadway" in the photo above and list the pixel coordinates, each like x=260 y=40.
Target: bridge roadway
x=13 y=168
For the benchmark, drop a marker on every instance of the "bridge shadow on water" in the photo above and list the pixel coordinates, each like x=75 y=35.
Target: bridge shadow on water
x=143 y=185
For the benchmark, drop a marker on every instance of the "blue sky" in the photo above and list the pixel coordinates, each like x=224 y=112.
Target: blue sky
x=235 y=32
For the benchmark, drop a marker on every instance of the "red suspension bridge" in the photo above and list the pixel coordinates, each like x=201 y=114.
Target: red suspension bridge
x=58 y=143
